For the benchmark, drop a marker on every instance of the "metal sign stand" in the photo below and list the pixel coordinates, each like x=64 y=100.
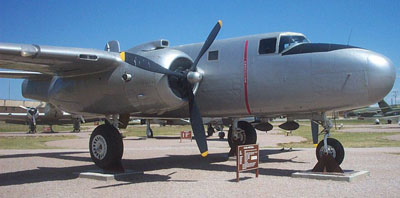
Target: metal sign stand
x=247 y=158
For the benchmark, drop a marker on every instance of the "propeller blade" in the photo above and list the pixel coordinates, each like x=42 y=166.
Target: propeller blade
x=26 y=108
x=197 y=125
x=34 y=120
x=147 y=64
x=210 y=39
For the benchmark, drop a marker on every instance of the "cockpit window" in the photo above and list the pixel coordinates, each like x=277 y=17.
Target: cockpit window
x=289 y=41
x=267 y=46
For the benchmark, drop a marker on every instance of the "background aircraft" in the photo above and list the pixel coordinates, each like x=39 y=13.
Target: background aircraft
x=384 y=111
x=45 y=114
x=265 y=75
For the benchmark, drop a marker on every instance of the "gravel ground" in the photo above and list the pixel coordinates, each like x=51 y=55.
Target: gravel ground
x=173 y=169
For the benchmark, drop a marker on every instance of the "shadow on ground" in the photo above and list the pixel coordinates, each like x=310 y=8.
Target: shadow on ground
x=211 y=163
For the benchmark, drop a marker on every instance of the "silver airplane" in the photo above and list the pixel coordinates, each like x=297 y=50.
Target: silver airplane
x=265 y=75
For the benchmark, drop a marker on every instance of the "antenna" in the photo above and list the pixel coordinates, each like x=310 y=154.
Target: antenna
x=348 y=39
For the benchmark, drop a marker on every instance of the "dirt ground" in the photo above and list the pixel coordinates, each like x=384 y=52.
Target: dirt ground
x=173 y=169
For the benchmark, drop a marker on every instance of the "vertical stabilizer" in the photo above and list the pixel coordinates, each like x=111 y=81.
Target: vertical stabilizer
x=112 y=46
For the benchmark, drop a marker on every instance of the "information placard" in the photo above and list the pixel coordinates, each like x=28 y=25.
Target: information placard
x=186 y=135
x=247 y=159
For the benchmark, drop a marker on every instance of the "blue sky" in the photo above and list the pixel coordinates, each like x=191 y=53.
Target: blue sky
x=375 y=25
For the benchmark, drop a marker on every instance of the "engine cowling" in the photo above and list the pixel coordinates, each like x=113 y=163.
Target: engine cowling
x=169 y=94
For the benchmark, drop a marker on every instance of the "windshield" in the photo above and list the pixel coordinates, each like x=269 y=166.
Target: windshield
x=289 y=41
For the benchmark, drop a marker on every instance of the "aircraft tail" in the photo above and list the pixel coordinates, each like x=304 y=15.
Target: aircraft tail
x=384 y=107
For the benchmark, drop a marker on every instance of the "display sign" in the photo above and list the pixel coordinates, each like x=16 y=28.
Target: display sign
x=247 y=159
x=186 y=135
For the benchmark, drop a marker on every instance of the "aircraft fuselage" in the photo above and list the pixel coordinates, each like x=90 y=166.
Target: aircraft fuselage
x=238 y=81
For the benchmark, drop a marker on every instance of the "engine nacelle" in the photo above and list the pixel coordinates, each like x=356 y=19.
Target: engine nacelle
x=154 y=93
x=36 y=89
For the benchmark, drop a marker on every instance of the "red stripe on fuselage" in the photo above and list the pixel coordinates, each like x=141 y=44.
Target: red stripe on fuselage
x=245 y=77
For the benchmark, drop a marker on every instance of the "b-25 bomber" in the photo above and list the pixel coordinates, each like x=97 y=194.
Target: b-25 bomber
x=265 y=75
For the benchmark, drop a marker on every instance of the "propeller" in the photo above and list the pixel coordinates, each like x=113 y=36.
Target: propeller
x=32 y=113
x=188 y=77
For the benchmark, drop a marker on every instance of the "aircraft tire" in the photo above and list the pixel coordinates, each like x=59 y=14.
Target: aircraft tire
x=221 y=135
x=335 y=147
x=106 y=147
x=250 y=135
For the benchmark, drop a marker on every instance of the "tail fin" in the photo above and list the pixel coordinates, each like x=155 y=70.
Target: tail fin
x=384 y=107
x=112 y=46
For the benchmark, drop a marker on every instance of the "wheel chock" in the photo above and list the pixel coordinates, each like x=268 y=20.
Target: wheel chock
x=327 y=164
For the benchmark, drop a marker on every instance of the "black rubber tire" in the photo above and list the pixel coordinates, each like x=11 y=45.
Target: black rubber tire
x=336 y=145
x=221 y=135
x=115 y=147
x=32 y=128
x=250 y=132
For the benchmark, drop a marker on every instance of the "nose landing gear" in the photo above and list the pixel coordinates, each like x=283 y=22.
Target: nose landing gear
x=329 y=152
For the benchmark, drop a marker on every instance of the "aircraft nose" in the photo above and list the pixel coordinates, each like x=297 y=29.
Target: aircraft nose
x=381 y=76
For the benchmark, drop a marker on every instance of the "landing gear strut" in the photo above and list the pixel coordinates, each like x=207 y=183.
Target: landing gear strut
x=241 y=133
x=149 y=131
x=77 y=125
x=32 y=128
x=210 y=130
x=106 y=147
x=329 y=152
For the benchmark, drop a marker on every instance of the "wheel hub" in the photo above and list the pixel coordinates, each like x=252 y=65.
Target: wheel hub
x=331 y=151
x=239 y=138
x=99 y=147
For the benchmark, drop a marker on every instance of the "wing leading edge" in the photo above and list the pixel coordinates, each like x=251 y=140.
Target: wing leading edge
x=55 y=61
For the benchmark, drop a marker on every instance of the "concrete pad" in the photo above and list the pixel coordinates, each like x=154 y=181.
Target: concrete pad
x=348 y=175
x=106 y=176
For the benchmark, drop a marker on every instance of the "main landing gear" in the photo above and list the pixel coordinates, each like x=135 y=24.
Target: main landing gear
x=149 y=131
x=32 y=128
x=210 y=130
x=106 y=147
x=241 y=133
x=217 y=128
x=329 y=151
x=77 y=125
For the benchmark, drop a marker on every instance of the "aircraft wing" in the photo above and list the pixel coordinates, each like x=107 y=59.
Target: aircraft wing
x=54 y=61
x=23 y=75
x=16 y=118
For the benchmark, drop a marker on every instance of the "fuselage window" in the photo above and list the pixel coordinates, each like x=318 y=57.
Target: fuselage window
x=290 y=41
x=213 y=55
x=267 y=46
